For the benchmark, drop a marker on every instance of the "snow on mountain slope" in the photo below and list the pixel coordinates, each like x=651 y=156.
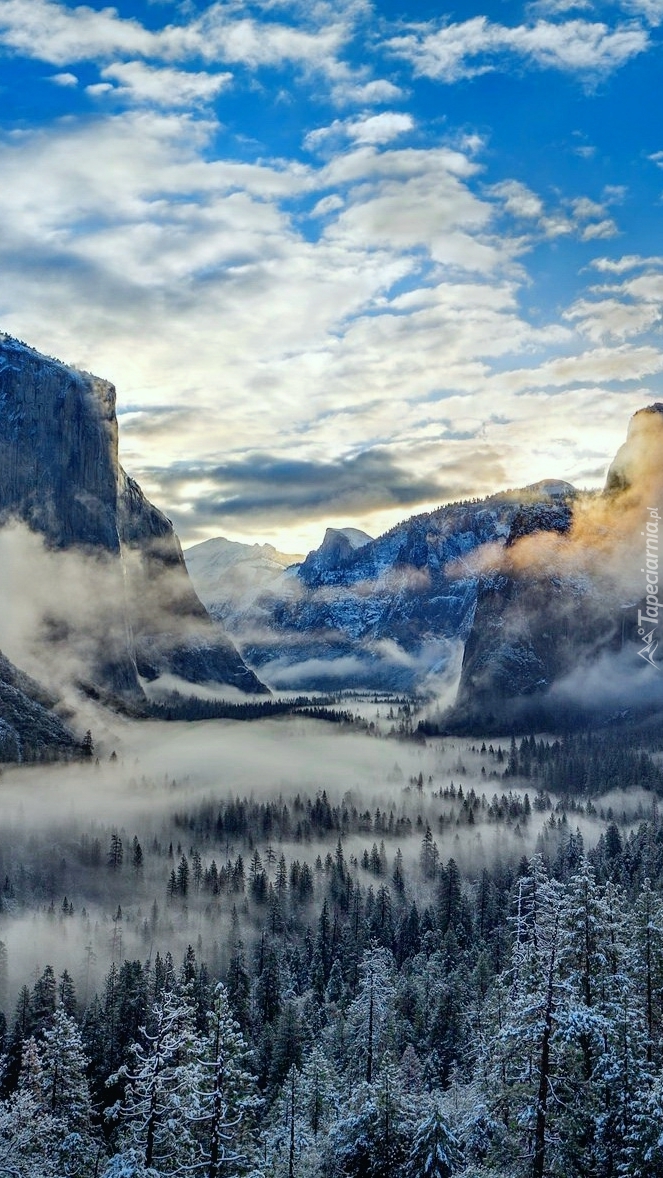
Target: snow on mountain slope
x=357 y=612
x=230 y=577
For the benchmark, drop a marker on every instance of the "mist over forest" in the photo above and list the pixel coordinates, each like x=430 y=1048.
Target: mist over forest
x=403 y=919
x=294 y=947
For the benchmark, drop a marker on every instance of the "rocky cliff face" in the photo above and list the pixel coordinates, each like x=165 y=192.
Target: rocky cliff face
x=555 y=634
x=58 y=449
x=385 y=613
x=637 y=469
x=530 y=630
x=30 y=728
x=59 y=473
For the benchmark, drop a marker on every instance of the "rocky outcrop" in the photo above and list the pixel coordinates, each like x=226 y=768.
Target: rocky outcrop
x=338 y=548
x=58 y=449
x=30 y=729
x=556 y=642
x=59 y=473
x=530 y=631
x=172 y=631
x=637 y=468
x=383 y=614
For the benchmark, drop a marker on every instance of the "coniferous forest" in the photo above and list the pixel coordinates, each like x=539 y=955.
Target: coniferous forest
x=463 y=976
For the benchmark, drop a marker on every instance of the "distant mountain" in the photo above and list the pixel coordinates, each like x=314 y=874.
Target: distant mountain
x=230 y=577
x=135 y=611
x=535 y=598
x=390 y=613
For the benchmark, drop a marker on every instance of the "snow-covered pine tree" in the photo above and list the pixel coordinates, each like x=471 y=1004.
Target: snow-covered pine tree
x=435 y=1151
x=221 y=1101
x=64 y=1085
x=371 y=1015
x=155 y=1114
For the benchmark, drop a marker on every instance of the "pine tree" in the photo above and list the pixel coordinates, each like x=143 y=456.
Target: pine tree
x=319 y=1088
x=115 y=852
x=64 y=1084
x=435 y=1151
x=370 y=1016
x=222 y=1099
x=67 y=993
x=153 y=1115
x=238 y=984
x=29 y=1138
x=42 y=1001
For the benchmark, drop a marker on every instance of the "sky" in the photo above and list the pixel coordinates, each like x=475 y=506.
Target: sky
x=344 y=261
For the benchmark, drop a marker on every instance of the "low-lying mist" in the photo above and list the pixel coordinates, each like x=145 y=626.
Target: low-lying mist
x=300 y=786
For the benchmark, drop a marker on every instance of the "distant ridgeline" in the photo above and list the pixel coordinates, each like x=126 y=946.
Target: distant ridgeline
x=540 y=603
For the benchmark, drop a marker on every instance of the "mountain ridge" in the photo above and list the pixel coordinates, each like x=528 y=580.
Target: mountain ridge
x=61 y=478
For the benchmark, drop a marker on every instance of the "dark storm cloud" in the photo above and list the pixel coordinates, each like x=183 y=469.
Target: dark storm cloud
x=264 y=486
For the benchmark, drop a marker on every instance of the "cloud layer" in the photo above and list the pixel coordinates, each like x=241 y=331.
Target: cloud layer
x=321 y=294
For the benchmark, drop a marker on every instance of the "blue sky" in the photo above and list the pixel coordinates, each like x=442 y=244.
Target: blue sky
x=343 y=261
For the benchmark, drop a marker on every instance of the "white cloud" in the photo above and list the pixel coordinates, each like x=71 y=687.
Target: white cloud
x=599 y=229
x=379 y=128
x=518 y=199
x=64 y=79
x=556 y=225
x=371 y=129
x=649 y=10
x=628 y=262
x=164 y=86
x=56 y=33
x=378 y=91
x=473 y=47
x=53 y=32
x=613 y=318
x=584 y=208
x=520 y=202
x=328 y=204
x=621 y=363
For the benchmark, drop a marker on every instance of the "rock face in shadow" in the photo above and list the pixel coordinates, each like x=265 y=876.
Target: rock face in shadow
x=530 y=631
x=30 y=730
x=59 y=473
x=385 y=614
x=58 y=449
x=555 y=642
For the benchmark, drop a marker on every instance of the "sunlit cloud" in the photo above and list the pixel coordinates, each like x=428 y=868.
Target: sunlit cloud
x=476 y=46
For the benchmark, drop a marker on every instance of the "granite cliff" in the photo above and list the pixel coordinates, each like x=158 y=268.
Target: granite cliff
x=556 y=637
x=60 y=475
x=30 y=727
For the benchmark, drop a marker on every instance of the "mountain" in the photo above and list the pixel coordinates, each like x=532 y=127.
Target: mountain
x=389 y=613
x=231 y=577
x=537 y=599
x=134 y=610
x=558 y=634
x=30 y=728
x=337 y=549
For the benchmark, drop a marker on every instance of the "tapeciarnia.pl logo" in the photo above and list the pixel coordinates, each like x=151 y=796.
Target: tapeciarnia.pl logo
x=648 y=621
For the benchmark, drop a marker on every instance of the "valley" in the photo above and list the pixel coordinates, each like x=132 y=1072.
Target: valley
x=324 y=866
